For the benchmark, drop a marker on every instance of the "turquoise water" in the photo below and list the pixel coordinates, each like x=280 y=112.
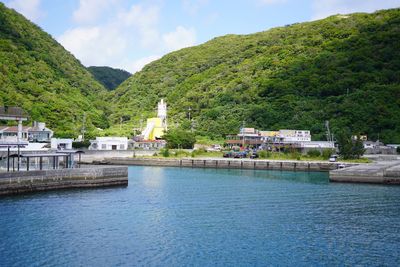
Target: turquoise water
x=205 y=217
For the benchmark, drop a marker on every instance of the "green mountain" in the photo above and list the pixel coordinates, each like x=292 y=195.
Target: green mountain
x=345 y=69
x=109 y=77
x=39 y=75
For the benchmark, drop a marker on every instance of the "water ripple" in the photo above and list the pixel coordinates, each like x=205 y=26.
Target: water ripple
x=203 y=217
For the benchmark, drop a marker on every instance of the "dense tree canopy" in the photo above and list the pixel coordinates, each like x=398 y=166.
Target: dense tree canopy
x=179 y=138
x=109 y=77
x=345 y=69
x=39 y=75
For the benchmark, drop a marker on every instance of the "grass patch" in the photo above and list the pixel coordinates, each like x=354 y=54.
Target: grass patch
x=360 y=160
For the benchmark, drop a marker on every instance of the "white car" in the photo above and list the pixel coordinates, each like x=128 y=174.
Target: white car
x=333 y=158
x=214 y=148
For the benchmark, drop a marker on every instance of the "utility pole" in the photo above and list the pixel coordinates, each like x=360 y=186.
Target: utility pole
x=192 y=125
x=329 y=136
x=243 y=124
x=83 y=126
x=189 y=109
x=141 y=122
x=328 y=132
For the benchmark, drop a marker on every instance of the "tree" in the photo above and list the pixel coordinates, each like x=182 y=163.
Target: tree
x=178 y=138
x=350 y=148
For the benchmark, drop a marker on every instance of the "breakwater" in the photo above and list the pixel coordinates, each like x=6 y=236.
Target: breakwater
x=231 y=163
x=387 y=172
x=32 y=181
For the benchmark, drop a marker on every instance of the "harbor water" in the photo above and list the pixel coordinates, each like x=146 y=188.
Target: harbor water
x=205 y=217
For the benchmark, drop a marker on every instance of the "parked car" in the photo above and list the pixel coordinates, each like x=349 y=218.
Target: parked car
x=228 y=154
x=214 y=148
x=254 y=155
x=240 y=155
x=333 y=158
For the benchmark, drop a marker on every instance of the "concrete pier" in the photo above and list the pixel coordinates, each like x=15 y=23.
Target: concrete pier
x=32 y=181
x=231 y=163
x=387 y=172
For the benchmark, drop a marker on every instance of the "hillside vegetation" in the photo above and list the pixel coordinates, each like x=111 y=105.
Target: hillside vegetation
x=109 y=77
x=345 y=69
x=39 y=75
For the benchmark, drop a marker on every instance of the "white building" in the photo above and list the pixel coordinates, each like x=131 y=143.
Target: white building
x=61 y=143
x=109 y=143
x=36 y=133
x=317 y=144
x=295 y=135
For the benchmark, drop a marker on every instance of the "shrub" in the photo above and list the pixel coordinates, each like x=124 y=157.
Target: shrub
x=197 y=152
x=264 y=154
x=84 y=144
x=295 y=155
x=181 y=153
x=164 y=152
x=326 y=153
x=314 y=153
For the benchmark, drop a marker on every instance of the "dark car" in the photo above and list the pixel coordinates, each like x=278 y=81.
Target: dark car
x=228 y=154
x=240 y=155
x=254 y=155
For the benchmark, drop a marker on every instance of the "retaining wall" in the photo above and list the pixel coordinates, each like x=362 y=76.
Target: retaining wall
x=31 y=181
x=231 y=164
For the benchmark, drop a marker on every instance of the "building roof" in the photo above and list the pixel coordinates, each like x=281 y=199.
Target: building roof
x=14 y=129
x=13 y=113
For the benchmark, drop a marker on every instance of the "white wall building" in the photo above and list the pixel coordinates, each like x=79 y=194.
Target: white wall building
x=61 y=143
x=317 y=144
x=295 y=135
x=109 y=143
x=36 y=133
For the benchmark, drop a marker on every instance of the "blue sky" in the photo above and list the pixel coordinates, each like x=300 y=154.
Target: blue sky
x=128 y=34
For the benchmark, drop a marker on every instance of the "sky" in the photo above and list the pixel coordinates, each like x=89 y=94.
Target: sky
x=128 y=34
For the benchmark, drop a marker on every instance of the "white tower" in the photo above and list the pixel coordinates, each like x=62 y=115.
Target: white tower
x=162 y=112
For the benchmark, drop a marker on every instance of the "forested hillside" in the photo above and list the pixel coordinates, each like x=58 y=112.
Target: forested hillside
x=38 y=74
x=345 y=69
x=109 y=77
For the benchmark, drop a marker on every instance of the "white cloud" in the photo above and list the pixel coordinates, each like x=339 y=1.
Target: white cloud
x=144 y=20
x=90 y=10
x=137 y=65
x=94 y=45
x=128 y=39
x=271 y=2
x=193 y=6
x=179 y=38
x=325 y=8
x=28 y=8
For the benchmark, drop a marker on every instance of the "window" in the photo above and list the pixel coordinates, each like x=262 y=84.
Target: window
x=121 y=147
x=103 y=146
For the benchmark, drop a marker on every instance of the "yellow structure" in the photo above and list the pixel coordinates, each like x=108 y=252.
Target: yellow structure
x=269 y=133
x=157 y=130
x=156 y=127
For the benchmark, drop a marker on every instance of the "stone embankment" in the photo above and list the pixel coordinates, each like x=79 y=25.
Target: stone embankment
x=385 y=172
x=231 y=163
x=32 y=181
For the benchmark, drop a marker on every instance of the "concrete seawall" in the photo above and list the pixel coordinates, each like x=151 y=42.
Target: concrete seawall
x=387 y=172
x=231 y=164
x=32 y=181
